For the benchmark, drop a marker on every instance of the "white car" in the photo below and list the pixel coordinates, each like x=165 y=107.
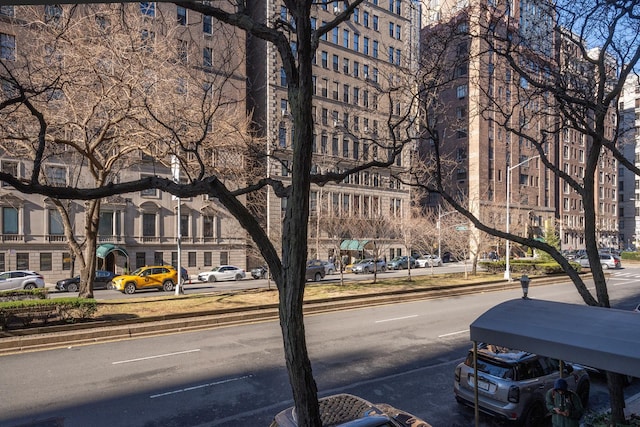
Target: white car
x=20 y=279
x=428 y=261
x=223 y=272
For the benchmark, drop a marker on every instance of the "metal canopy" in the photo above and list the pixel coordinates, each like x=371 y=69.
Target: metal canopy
x=603 y=338
x=353 y=245
x=105 y=249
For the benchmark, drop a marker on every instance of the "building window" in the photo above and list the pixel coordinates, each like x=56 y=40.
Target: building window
x=158 y=258
x=366 y=46
x=282 y=136
x=208 y=226
x=356 y=42
x=9 y=220
x=10 y=168
x=182 y=15
x=375 y=48
x=207 y=27
x=345 y=38
x=334 y=35
x=141 y=260
x=7 y=47
x=66 y=261
x=183 y=51
x=53 y=13
x=336 y=62
x=56 y=175
x=365 y=19
x=283 y=78
x=149 y=225
x=461 y=91
x=6 y=11
x=207 y=259
x=191 y=259
x=148 y=8
x=184 y=225
x=54 y=223
x=345 y=65
x=46 y=261
x=375 y=22
x=22 y=261
x=224 y=258
x=207 y=57
x=324 y=59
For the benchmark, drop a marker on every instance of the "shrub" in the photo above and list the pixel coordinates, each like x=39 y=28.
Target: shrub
x=630 y=255
x=526 y=266
x=23 y=294
x=28 y=311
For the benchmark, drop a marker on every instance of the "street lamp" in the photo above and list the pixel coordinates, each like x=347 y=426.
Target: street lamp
x=507 y=270
x=440 y=215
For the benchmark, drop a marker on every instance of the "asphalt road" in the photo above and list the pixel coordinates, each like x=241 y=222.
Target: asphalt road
x=402 y=354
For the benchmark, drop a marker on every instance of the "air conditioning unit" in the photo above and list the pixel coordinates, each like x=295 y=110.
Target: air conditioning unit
x=335 y=123
x=285 y=113
x=366 y=128
x=336 y=10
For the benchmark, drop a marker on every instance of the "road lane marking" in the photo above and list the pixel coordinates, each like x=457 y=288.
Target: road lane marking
x=453 y=333
x=196 y=387
x=155 y=357
x=396 y=318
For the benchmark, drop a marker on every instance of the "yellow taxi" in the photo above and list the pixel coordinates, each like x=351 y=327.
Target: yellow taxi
x=161 y=277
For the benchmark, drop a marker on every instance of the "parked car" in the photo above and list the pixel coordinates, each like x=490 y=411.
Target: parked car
x=184 y=275
x=428 y=261
x=259 y=272
x=369 y=266
x=512 y=384
x=20 y=279
x=161 y=277
x=329 y=267
x=315 y=270
x=401 y=262
x=606 y=260
x=102 y=280
x=223 y=272
x=349 y=410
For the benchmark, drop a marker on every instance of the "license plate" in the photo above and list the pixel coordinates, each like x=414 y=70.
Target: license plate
x=483 y=385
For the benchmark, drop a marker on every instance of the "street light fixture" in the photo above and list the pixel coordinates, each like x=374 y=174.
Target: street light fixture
x=440 y=215
x=507 y=270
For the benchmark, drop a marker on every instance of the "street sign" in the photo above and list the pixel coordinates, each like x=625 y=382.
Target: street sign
x=461 y=228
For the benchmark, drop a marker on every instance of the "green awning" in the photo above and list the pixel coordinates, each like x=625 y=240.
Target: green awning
x=353 y=245
x=105 y=249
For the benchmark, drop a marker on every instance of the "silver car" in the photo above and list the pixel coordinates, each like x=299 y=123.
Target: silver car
x=606 y=260
x=20 y=279
x=368 y=266
x=223 y=272
x=512 y=384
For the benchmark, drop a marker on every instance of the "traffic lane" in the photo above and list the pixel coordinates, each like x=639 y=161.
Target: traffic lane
x=231 y=374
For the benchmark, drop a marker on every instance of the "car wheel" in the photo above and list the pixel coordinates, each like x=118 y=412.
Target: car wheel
x=366 y=270
x=330 y=271
x=317 y=277
x=72 y=287
x=168 y=286
x=129 y=288
x=583 y=393
x=30 y=286
x=238 y=277
x=534 y=415
x=605 y=266
x=211 y=279
x=383 y=269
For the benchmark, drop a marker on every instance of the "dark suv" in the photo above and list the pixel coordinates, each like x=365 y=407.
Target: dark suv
x=512 y=384
x=315 y=270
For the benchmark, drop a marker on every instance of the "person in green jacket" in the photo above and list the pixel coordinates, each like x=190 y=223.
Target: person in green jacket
x=565 y=406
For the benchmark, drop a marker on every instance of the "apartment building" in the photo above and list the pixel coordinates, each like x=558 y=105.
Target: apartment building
x=356 y=64
x=489 y=121
x=135 y=229
x=629 y=184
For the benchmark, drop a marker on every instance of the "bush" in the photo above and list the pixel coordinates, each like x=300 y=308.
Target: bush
x=630 y=255
x=526 y=266
x=63 y=309
x=23 y=294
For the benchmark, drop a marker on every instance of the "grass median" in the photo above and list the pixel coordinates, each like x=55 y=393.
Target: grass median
x=162 y=304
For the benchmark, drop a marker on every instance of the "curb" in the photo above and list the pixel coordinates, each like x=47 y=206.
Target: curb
x=94 y=332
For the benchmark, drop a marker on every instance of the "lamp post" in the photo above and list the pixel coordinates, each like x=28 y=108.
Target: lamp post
x=507 y=270
x=440 y=215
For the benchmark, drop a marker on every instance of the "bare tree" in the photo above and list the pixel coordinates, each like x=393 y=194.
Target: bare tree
x=555 y=78
x=100 y=119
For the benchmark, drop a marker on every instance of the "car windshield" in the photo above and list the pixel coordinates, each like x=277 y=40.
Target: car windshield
x=138 y=271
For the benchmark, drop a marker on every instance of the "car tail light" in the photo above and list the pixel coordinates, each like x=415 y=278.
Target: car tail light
x=457 y=374
x=514 y=394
